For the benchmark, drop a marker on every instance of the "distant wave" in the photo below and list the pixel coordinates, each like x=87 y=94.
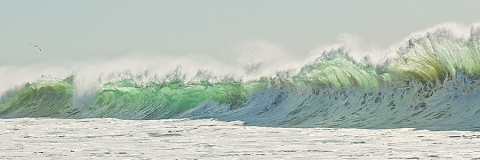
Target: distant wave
x=432 y=84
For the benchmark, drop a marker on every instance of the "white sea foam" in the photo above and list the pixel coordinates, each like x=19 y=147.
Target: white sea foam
x=27 y=138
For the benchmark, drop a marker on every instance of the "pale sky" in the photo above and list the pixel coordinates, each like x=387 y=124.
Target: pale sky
x=90 y=29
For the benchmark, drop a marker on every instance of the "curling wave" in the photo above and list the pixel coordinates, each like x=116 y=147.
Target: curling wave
x=432 y=84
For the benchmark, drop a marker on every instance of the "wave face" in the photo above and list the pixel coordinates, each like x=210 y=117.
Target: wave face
x=433 y=84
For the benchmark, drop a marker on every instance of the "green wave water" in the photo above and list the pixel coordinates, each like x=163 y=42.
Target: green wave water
x=432 y=84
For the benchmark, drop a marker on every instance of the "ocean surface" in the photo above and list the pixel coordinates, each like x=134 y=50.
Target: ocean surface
x=109 y=138
x=431 y=82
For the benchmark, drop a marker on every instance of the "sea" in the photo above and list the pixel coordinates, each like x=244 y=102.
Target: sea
x=429 y=82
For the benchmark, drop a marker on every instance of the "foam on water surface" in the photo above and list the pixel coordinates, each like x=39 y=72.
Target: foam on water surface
x=107 y=138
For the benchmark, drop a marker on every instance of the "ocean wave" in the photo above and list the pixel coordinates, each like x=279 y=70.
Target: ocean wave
x=433 y=83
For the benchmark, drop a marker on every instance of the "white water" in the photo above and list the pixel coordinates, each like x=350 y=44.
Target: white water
x=27 y=138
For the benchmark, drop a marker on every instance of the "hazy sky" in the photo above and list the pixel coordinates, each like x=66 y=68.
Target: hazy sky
x=91 y=29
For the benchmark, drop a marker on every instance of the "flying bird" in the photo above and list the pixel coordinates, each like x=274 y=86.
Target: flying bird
x=36 y=46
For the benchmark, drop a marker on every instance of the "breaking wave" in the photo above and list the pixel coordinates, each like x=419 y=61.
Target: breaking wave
x=432 y=83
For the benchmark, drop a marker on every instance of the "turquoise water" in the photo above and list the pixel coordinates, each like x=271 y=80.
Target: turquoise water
x=433 y=83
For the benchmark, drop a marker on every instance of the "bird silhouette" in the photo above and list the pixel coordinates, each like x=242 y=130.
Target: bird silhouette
x=36 y=46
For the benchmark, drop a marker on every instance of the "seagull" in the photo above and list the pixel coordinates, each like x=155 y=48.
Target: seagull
x=36 y=46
